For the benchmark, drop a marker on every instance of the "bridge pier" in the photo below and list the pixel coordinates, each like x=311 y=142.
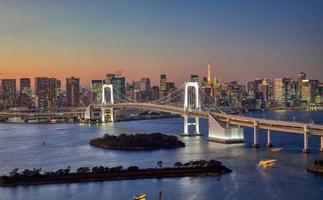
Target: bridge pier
x=104 y=102
x=321 y=149
x=305 y=149
x=255 y=135
x=187 y=124
x=269 y=144
x=103 y=112
x=197 y=126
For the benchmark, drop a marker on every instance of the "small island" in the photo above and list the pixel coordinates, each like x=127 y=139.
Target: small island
x=140 y=141
x=100 y=173
x=317 y=167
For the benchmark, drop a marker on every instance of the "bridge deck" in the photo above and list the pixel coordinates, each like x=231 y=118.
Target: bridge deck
x=275 y=125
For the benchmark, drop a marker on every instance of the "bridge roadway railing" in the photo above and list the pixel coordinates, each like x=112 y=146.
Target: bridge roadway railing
x=266 y=124
x=155 y=107
x=275 y=125
x=41 y=114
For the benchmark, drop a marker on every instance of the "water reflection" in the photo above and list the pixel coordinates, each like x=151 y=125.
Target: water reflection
x=67 y=145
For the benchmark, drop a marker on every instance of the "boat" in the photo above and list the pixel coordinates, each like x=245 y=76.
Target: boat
x=267 y=163
x=276 y=149
x=140 y=197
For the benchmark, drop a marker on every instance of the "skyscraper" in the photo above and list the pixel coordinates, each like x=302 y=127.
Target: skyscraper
x=41 y=91
x=119 y=88
x=73 y=91
x=144 y=84
x=281 y=90
x=309 y=90
x=54 y=91
x=25 y=92
x=194 y=78
x=209 y=74
x=163 y=86
x=96 y=90
x=47 y=91
x=8 y=92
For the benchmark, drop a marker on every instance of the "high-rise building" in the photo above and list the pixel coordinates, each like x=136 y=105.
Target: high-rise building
x=155 y=93
x=253 y=88
x=47 y=91
x=309 y=90
x=144 y=84
x=41 y=92
x=73 y=91
x=163 y=90
x=85 y=97
x=108 y=78
x=8 y=92
x=194 y=78
x=217 y=86
x=300 y=77
x=119 y=88
x=264 y=90
x=281 y=90
x=54 y=91
x=25 y=92
x=96 y=90
x=209 y=74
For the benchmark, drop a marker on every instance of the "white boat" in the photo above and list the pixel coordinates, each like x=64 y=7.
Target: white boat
x=267 y=163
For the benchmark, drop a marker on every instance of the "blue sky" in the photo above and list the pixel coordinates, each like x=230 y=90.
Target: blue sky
x=87 y=38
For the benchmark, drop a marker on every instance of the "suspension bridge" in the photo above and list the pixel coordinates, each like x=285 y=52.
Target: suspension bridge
x=189 y=101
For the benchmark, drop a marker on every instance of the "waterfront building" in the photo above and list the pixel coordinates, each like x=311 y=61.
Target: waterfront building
x=41 y=92
x=209 y=75
x=163 y=90
x=54 y=91
x=25 y=98
x=144 y=84
x=85 y=96
x=194 y=78
x=300 y=77
x=234 y=94
x=73 y=91
x=217 y=86
x=47 y=91
x=108 y=78
x=204 y=82
x=253 y=88
x=8 y=92
x=264 y=90
x=119 y=88
x=96 y=91
x=309 y=90
x=281 y=90
x=155 y=93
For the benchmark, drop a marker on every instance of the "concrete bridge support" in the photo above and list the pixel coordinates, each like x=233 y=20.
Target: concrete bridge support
x=104 y=102
x=187 y=107
x=269 y=144
x=255 y=135
x=187 y=124
x=305 y=149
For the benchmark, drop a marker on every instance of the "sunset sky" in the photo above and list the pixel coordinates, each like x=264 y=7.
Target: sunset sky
x=144 y=38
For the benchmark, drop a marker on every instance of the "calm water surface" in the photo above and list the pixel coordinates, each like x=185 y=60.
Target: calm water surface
x=67 y=145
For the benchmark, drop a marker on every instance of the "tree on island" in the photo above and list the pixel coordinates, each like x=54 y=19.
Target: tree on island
x=178 y=164
x=160 y=164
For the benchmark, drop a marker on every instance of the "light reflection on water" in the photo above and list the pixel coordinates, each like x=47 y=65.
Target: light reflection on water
x=67 y=145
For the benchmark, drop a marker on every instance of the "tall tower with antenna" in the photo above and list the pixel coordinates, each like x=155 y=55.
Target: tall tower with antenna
x=209 y=74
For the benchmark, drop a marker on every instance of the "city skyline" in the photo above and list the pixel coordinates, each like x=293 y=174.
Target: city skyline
x=88 y=39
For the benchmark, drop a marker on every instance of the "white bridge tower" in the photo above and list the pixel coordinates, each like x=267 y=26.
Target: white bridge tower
x=104 y=102
x=187 y=108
